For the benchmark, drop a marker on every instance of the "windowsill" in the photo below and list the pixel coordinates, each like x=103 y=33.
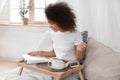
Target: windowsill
x=29 y=25
x=23 y=28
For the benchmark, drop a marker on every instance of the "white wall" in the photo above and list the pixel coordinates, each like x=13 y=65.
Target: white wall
x=17 y=40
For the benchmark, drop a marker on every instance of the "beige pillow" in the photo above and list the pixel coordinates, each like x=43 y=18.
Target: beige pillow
x=101 y=63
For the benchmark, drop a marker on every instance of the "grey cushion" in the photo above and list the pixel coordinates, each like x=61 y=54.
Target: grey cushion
x=85 y=36
x=101 y=63
x=85 y=39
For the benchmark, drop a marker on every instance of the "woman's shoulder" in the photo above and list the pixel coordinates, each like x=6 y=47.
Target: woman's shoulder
x=77 y=32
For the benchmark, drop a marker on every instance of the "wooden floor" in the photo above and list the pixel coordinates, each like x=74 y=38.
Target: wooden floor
x=6 y=66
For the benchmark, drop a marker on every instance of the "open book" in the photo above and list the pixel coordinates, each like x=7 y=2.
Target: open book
x=34 y=59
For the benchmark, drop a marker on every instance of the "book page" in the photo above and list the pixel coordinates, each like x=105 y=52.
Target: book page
x=34 y=59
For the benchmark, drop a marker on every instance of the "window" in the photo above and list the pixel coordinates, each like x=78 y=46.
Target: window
x=35 y=12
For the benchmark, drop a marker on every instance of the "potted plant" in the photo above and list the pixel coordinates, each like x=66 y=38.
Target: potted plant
x=24 y=8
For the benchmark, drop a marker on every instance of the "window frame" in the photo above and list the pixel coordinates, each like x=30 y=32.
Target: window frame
x=31 y=15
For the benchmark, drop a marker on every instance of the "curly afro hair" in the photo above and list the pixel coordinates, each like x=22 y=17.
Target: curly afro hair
x=61 y=14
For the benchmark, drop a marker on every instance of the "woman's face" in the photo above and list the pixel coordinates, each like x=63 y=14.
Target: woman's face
x=53 y=26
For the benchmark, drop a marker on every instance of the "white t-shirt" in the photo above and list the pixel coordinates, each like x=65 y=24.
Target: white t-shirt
x=64 y=42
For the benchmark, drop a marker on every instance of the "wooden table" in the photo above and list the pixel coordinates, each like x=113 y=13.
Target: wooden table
x=43 y=68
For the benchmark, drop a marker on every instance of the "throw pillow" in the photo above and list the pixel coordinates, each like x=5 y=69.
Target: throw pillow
x=85 y=39
x=85 y=36
x=101 y=63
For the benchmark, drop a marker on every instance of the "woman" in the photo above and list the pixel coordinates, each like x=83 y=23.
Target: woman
x=67 y=41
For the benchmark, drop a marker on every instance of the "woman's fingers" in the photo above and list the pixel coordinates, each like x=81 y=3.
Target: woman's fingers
x=81 y=46
x=32 y=53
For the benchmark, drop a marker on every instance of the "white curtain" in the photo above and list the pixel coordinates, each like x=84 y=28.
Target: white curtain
x=101 y=18
x=2 y=5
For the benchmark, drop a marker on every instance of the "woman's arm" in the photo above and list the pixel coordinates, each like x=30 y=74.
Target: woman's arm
x=42 y=53
x=79 y=50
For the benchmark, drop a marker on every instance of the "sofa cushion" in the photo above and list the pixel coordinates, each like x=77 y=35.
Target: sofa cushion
x=101 y=63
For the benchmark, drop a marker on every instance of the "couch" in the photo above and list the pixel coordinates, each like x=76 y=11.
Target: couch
x=101 y=62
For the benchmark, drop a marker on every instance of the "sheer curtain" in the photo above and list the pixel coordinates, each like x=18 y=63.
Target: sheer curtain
x=2 y=4
x=101 y=18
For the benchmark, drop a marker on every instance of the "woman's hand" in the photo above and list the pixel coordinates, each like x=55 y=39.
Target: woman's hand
x=81 y=47
x=34 y=53
x=79 y=51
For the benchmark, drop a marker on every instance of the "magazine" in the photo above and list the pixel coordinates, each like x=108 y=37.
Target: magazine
x=34 y=59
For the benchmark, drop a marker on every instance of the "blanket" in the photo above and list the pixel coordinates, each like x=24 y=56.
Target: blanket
x=30 y=75
x=26 y=75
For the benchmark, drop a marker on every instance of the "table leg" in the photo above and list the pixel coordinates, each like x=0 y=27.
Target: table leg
x=20 y=71
x=81 y=76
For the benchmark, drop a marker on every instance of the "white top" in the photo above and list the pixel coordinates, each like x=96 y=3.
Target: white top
x=64 y=42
